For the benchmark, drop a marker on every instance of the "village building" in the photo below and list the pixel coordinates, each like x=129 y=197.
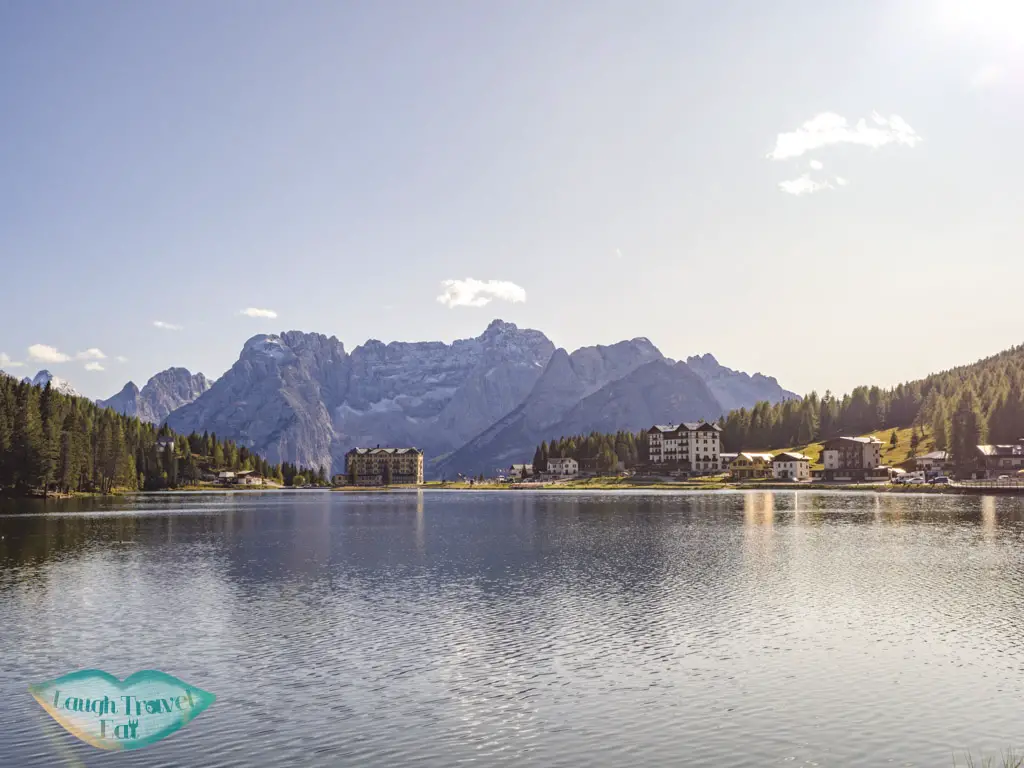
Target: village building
x=997 y=460
x=854 y=459
x=931 y=462
x=164 y=443
x=367 y=464
x=791 y=466
x=725 y=460
x=242 y=477
x=691 y=447
x=749 y=466
x=563 y=467
x=520 y=471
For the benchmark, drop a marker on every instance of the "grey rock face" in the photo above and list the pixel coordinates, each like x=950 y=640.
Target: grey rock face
x=735 y=389
x=567 y=379
x=655 y=393
x=300 y=397
x=162 y=394
x=472 y=406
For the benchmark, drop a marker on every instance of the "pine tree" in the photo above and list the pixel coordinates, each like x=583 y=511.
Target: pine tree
x=27 y=439
x=893 y=440
x=967 y=429
x=915 y=441
x=940 y=425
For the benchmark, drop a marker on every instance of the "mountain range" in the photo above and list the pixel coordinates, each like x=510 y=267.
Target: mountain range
x=472 y=406
x=163 y=393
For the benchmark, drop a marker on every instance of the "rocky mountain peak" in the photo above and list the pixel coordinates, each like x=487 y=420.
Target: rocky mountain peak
x=44 y=377
x=163 y=393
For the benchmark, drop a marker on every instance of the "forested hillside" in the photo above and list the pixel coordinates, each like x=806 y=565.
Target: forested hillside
x=958 y=409
x=607 y=450
x=55 y=442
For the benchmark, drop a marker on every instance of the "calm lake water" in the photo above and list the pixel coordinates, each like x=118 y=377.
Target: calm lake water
x=552 y=629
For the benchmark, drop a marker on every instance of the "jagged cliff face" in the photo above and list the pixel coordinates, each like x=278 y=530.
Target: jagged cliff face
x=567 y=379
x=163 y=393
x=735 y=389
x=300 y=397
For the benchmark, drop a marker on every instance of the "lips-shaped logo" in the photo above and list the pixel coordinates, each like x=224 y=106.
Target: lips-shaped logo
x=113 y=714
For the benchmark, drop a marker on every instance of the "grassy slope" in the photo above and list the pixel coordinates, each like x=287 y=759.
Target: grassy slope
x=890 y=456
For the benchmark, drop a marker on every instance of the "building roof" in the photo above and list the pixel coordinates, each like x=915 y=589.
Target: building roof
x=752 y=456
x=1001 y=450
x=518 y=467
x=690 y=426
x=934 y=456
x=787 y=456
x=862 y=440
x=565 y=458
x=378 y=450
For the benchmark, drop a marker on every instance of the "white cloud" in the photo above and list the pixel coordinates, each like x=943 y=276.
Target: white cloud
x=479 y=293
x=42 y=353
x=8 y=363
x=121 y=359
x=828 y=128
x=816 y=165
x=804 y=185
x=841 y=181
x=255 y=312
x=93 y=367
x=618 y=252
x=91 y=354
x=988 y=75
x=166 y=326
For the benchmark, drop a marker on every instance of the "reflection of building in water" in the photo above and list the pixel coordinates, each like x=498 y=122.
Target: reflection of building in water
x=759 y=508
x=421 y=544
x=988 y=517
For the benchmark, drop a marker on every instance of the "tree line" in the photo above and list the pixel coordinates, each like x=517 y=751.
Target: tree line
x=605 y=450
x=50 y=441
x=959 y=408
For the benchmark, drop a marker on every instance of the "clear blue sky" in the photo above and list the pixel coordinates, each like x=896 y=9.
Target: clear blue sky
x=335 y=162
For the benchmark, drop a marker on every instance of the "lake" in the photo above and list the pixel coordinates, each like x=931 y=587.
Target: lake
x=440 y=628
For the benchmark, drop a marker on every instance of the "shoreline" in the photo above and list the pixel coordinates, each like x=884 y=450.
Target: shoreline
x=564 y=487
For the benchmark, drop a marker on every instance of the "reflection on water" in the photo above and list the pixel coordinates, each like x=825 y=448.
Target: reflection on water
x=431 y=628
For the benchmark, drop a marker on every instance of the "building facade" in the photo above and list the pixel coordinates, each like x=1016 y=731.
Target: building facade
x=693 y=447
x=791 y=466
x=997 y=460
x=931 y=462
x=367 y=465
x=853 y=458
x=520 y=471
x=747 y=466
x=563 y=467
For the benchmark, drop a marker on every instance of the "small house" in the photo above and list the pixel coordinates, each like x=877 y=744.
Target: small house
x=520 y=471
x=747 y=466
x=563 y=467
x=791 y=466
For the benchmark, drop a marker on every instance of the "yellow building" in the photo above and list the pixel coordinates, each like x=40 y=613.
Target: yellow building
x=751 y=465
x=367 y=465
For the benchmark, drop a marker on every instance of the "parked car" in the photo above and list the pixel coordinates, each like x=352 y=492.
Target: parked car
x=1004 y=477
x=940 y=480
